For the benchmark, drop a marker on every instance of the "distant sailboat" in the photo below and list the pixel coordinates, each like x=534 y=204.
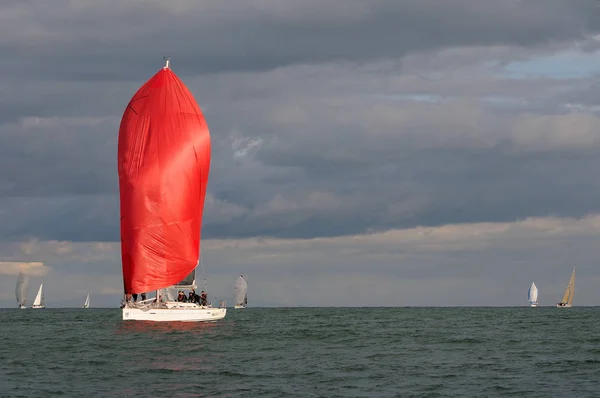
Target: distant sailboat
x=567 y=299
x=532 y=295
x=21 y=290
x=39 y=298
x=241 y=293
x=87 y=302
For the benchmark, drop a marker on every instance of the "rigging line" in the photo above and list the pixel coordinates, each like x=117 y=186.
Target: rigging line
x=203 y=275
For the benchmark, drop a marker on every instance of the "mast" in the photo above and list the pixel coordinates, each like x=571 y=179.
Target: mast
x=203 y=275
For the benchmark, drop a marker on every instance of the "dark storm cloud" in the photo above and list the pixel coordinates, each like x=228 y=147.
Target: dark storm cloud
x=364 y=117
x=113 y=40
x=78 y=218
x=41 y=152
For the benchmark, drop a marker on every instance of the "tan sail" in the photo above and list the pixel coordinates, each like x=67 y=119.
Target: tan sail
x=567 y=299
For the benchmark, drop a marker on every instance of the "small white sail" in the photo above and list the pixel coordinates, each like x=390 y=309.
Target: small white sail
x=21 y=289
x=533 y=295
x=87 y=302
x=39 y=298
x=241 y=292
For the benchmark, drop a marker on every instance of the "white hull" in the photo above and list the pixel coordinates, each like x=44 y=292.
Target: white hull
x=172 y=312
x=239 y=306
x=563 y=306
x=22 y=307
x=38 y=306
x=533 y=304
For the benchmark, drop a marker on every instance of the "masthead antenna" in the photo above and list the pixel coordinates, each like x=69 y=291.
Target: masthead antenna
x=167 y=62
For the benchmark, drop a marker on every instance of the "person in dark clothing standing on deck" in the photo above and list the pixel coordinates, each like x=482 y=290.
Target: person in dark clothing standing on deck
x=196 y=297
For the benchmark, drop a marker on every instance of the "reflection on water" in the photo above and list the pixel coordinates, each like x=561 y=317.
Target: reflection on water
x=177 y=363
x=303 y=352
x=165 y=327
x=165 y=347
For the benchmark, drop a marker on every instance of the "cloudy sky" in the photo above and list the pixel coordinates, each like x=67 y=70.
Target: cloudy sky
x=415 y=152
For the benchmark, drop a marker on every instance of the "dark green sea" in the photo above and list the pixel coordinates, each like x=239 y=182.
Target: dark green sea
x=304 y=352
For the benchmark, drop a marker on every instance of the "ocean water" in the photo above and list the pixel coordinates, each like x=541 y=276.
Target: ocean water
x=304 y=352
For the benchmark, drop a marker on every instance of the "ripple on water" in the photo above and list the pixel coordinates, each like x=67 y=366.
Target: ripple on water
x=304 y=352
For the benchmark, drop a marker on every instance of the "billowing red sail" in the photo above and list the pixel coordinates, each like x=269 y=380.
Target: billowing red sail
x=164 y=161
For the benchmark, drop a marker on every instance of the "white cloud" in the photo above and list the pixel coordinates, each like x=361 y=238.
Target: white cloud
x=446 y=237
x=29 y=247
x=105 y=246
x=574 y=130
x=242 y=146
x=457 y=264
x=28 y=268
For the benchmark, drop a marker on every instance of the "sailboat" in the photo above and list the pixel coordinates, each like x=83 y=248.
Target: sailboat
x=39 y=298
x=241 y=293
x=567 y=299
x=163 y=164
x=532 y=295
x=87 y=302
x=21 y=290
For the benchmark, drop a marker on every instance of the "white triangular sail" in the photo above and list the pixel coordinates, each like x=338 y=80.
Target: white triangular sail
x=21 y=289
x=39 y=298
x=533 y=294
x=241 y=292
x=87 y=302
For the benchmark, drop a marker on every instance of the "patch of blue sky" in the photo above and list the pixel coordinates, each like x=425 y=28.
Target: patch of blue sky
x=563 y=65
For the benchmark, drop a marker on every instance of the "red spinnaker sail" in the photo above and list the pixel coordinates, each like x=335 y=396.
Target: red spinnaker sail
x=164 y=161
